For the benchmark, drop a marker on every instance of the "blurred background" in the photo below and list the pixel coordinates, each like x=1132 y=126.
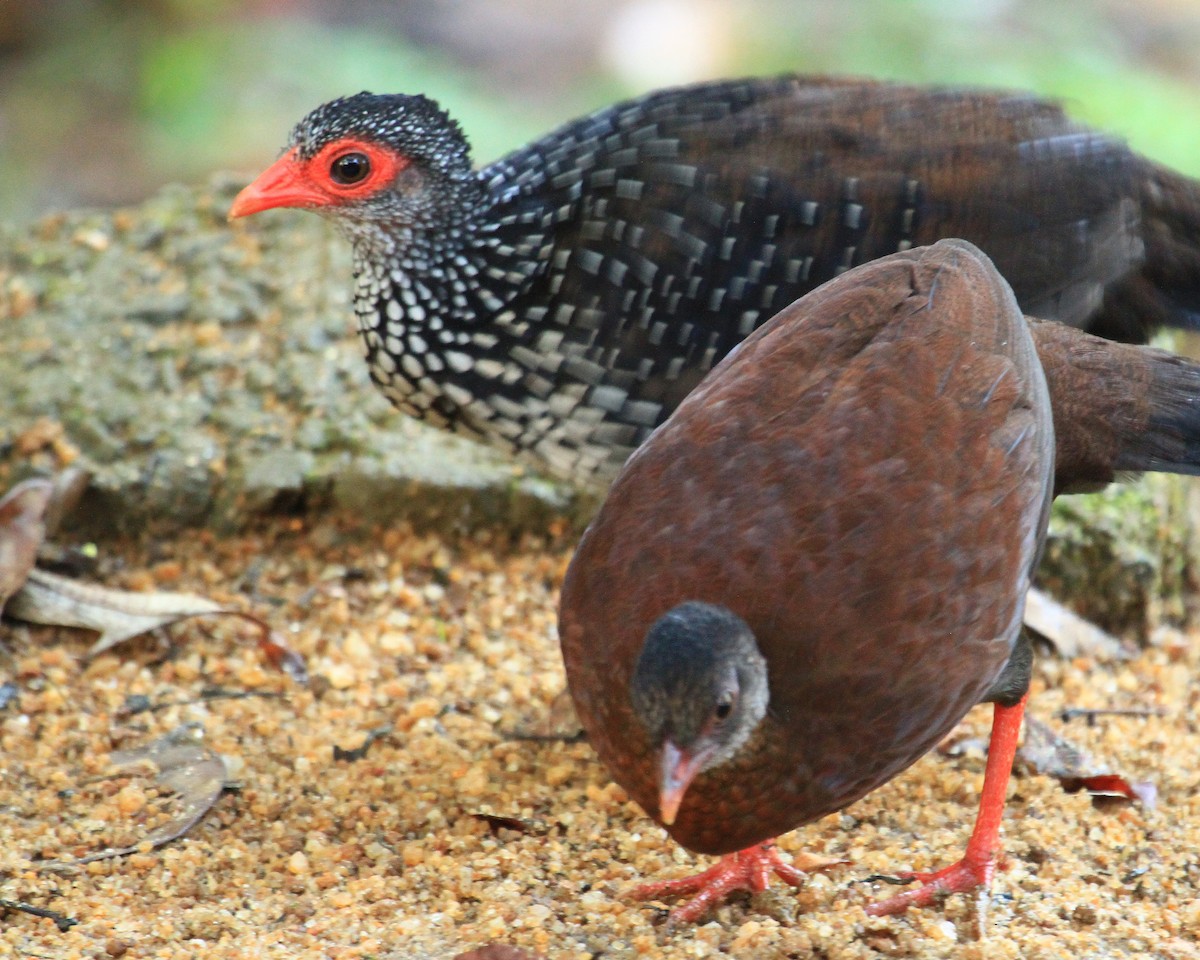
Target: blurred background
x=103 y=101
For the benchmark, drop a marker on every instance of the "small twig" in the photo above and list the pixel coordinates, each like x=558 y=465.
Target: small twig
x=529 y=735
x=1068 y=714
x=220 y=693
x=62 y=921
x=143 y=705
x=885 y=878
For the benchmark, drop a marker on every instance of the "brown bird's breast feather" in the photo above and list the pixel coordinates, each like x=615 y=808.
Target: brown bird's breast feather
x=865 y=481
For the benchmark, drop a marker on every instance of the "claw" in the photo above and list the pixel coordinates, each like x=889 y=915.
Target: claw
x=749 y=869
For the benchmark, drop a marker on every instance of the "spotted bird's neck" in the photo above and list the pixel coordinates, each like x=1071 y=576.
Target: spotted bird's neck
x=435 y=308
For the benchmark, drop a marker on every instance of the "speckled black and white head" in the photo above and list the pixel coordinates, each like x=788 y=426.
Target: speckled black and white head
x=434 y=263
x=699 y=689
x=370 y=157
x=413 y=125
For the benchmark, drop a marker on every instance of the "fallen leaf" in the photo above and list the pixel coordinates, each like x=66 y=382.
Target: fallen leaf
x=1071 y=635
x=811 y=862
x=70 y=484
x=1047 y=753
x=22 y=530
x=120 y=615
x=182 y=764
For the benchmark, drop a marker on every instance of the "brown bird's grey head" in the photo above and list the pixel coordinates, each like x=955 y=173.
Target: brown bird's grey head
x=700 y=690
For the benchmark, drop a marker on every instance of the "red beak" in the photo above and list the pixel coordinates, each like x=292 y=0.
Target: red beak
x=678 y=770
x=282 y=184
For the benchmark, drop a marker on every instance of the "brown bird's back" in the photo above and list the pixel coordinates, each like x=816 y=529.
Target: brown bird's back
x=865 y=482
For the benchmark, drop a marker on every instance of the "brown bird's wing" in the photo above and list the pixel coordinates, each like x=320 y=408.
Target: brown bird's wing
x=865 y=481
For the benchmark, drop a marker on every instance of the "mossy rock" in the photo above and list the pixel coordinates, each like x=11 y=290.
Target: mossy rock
x=1126 y=557
x=208 y=374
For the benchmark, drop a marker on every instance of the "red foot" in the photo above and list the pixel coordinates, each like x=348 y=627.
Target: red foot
x=745 y=870
x=957 y=878
x=974 y=871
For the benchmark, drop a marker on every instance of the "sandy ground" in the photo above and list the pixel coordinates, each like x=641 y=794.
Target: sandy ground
x=452 y=645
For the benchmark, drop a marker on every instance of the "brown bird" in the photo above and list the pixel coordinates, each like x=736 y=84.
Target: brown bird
x=808 y=575
x=560 y=302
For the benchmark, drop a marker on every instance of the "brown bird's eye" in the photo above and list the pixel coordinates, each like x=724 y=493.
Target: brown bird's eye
x=724 y=706
x=350 y=168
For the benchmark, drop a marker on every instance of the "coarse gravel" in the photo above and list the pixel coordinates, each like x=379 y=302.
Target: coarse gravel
x=450 y=642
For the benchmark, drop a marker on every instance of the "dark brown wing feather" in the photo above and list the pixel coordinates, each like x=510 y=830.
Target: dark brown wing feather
x=1118 y=408
x=716 y=205
x=865 y=481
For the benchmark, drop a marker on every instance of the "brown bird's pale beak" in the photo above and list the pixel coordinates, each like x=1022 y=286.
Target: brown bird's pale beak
x=678 y=770
x=282 y=184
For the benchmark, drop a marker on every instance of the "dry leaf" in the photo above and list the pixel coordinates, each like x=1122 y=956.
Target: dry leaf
x=70 y=485
x=22 y=530
x=810 y=862
x=1047 y=753
x=118 y=615
x=1071 y=635
x=184 y=765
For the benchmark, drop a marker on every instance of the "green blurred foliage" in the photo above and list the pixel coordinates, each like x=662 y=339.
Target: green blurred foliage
x=104 y=101
x=1059 y=49
x=189 y=107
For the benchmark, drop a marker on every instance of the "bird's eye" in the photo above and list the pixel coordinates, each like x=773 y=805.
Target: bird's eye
x=724 y=706
x=350 y=168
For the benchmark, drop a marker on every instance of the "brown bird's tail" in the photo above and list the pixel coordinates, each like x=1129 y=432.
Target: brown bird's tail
x=1165 y=292
x=1118 y=408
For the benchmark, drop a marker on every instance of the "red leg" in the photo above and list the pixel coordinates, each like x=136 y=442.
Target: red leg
x=978 y=863
x=749 y=869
